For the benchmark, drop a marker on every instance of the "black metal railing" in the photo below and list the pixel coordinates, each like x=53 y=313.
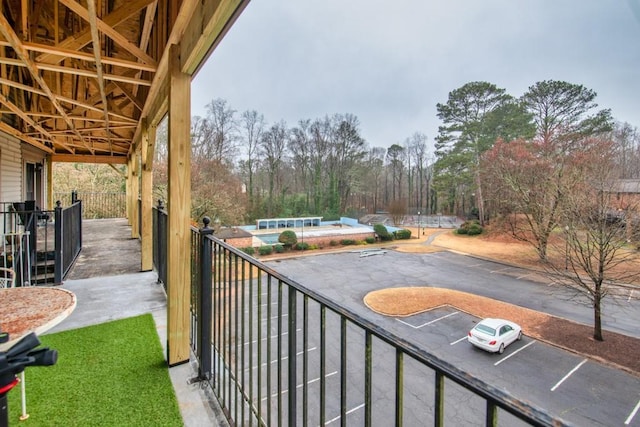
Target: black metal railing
x=160 y=222
x=277 y=353
x=68 y=237
x=40 y=246
x=96 y=205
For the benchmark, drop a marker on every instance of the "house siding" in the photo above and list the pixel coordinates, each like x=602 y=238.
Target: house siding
x=10 y=169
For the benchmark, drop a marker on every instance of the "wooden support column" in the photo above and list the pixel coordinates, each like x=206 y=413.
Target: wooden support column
x=179 y=211
x=146 y=194
x=50 y=201
x=135 y=191
x=128 y=191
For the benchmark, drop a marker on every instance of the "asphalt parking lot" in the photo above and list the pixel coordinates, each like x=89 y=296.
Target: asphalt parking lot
x=581 y=391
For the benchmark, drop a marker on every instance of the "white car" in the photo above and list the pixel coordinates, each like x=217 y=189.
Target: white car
x=494 y=335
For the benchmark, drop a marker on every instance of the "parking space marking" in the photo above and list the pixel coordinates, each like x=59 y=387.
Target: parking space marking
x=272 y=337
x=300 y=353
x=457 y=341
x=568 y=375
x=273 y=317
x=429 y=322
x=512 y=354
x=347 y=413
x=633 y=414
x=630 y=295
x=315 y=380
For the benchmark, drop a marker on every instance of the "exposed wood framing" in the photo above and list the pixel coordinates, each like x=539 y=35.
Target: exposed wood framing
x=179 y=209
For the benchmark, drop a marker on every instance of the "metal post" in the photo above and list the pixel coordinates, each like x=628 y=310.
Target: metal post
x=418 y=224
x=57 y=269
x=205 y=312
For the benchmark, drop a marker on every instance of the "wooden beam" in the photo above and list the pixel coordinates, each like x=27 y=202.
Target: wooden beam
x=29 y=140
x=146 y=195
x=76 y=71
x=15 y=110
x=97 y=52
x=110 y=32
x=71 y=158
x=16 y=44
x=179 y=212
x=83 y=38
x=211 y=21
x=135 y=194
x=35 y=47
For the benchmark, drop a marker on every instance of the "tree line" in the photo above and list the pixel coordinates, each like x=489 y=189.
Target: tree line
x=245 y=168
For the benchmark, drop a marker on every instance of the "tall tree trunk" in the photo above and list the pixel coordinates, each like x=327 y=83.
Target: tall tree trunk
x=597 y=313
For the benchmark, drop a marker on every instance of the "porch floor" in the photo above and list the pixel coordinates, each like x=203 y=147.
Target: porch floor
x=108 y=285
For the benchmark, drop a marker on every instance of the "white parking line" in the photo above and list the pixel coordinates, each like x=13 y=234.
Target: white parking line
x=315 y=380
x=430 y=322
x=273 y=317
x=512 y=354
x=630 y=295
x=348 y=412
x=568 y=375
x=633 y=414
x=272 y=337
x=457 y=341
x=283 y=358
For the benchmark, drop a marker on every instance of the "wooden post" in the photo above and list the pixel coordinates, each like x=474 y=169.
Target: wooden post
x=179 y=212
x=50 y=201
x=135 y=191
x=127 y=197
x=146 y=194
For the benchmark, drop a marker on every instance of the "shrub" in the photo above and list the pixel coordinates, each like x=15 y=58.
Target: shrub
x=265 y=250
x=278 y=249
x=347 y=242
x=402 y=234
x=248 y=250
x=471 y=228
x=301 y=246
x=288 y=238
x=333 y=243
x=474 y=230
x=382 y=232
x=370 y=240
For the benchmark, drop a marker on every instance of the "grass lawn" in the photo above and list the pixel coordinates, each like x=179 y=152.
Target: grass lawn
x=112 y=374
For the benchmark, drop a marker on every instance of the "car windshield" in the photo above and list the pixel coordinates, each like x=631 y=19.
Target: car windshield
x=486 y=329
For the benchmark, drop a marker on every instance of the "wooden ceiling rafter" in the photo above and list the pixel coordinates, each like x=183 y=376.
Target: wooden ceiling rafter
x=22 y=53
x=109 y=31
x=78 y=77
x=97 y=49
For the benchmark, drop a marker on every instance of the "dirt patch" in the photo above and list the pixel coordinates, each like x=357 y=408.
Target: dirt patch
x=617 y=349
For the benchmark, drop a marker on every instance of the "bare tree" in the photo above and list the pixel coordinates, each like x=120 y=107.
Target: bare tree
x=221 y=144
x=417 y=148
x=395 y=158
x=273 y=145
x=300 y=148
x=596 y=234
x=251 y=129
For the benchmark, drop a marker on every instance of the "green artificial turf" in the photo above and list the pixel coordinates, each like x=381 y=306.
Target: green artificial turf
x=112 y=374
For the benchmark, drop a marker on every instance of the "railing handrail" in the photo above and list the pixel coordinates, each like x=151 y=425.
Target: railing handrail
x=494 y=397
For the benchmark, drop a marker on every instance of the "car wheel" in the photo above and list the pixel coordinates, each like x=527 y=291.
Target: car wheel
x=501 y=349
x=519 y=335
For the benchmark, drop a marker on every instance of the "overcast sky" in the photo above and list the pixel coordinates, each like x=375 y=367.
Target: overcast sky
x=390 y=62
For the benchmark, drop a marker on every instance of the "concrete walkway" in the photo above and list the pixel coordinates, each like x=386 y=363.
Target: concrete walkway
x=108 y=285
